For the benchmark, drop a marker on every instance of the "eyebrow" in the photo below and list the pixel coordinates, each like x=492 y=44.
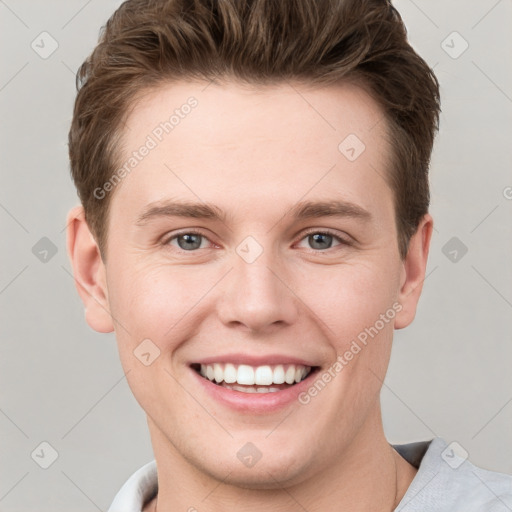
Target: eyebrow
x=301 y=211
x=180 y=209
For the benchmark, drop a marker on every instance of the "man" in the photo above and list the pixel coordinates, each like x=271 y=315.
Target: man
x=254 y=226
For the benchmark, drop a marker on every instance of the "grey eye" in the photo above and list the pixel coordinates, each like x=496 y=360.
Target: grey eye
x=189 y=241
x=320 y=241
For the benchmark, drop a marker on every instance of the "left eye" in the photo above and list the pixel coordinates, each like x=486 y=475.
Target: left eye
x=320 y=240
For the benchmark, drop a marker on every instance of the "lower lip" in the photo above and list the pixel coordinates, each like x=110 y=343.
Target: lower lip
x=255 y=402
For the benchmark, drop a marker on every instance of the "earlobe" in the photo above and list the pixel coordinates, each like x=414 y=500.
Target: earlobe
x=413 y=272
x=88 y=271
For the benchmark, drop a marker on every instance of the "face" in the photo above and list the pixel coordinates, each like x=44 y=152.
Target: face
x=253 y=239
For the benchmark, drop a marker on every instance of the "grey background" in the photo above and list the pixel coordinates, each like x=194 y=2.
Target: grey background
x=450 y=373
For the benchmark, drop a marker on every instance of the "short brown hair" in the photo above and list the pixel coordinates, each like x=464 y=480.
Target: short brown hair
x=147 y=43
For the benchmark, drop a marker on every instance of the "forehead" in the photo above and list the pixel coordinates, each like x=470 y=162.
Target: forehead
x=226 y=141
x=223 y=113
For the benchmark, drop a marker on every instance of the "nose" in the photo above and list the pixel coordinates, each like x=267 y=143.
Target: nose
x=258 y=296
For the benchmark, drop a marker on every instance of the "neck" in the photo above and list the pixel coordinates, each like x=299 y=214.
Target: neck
x=367 y=474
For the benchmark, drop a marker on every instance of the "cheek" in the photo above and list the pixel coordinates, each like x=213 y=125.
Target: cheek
x=151 y=301
x=153 y=307
x=348 y=298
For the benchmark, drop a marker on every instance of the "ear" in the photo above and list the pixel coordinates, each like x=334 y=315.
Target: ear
x=88 y=271
x=413 y=272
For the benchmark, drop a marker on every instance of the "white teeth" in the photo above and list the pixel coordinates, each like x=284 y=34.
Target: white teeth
x=218 y=373
x=249 y=376
x=245 y=375
x=230 y=373
x=278 y=376
x=289 y=376
x=245 y=389
x=263 y=375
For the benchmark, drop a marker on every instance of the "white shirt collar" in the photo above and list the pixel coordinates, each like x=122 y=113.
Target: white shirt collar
x=140 y=488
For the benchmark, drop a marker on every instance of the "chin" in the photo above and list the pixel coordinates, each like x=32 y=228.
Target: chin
x=263 y=475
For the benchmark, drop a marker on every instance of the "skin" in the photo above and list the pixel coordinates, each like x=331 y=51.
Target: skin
x=255 y=153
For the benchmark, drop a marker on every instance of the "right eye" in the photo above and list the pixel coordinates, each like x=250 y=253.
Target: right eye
x=187 y=240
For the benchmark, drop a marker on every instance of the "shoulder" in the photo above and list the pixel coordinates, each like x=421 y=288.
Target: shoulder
x=489 y=490
x=447 y=480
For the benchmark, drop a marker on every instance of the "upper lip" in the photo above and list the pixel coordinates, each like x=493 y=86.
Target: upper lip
x=259 y=360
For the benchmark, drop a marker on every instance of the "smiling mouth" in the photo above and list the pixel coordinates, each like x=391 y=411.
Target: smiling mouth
x=251 y=379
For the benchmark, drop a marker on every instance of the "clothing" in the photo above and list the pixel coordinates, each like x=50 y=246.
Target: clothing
x=445 y=482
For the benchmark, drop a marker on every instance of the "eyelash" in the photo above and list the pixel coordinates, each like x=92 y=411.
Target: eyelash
x=342 y=241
